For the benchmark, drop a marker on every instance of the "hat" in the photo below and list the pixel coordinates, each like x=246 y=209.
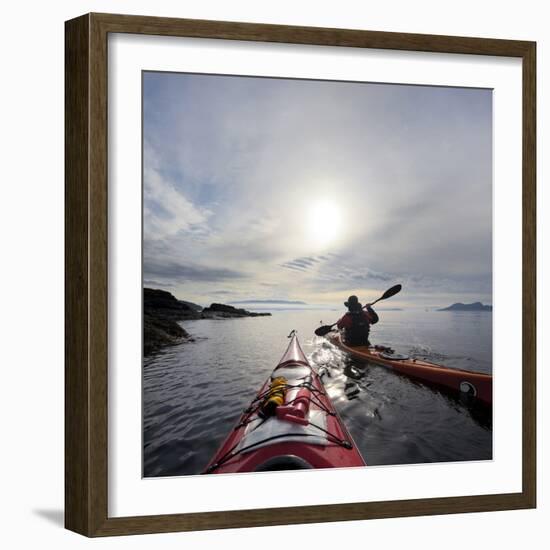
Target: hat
x=353 y=303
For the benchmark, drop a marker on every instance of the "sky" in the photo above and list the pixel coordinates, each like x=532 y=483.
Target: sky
x=281 y=190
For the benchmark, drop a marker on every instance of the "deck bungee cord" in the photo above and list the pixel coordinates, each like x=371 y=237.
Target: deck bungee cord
x=333 y=438
x=290 y=424
x=344 y=443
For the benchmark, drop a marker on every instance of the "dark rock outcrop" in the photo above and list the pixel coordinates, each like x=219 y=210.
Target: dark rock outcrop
x=161 y=313
x=193 y=306
x=222 y=311
x=476 y=306
x=159 y=332
x=161 y=303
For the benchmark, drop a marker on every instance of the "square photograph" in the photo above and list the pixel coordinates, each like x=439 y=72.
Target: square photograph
x=317 y=274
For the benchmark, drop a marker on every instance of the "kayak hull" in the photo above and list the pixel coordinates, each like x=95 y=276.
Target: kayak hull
x=258 y=443
x=461 y=381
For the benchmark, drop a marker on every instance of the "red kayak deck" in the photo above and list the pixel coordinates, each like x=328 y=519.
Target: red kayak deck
x=458 y=380
x=286 y=440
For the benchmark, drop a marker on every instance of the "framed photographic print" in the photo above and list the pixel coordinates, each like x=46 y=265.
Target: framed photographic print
x=300 y=274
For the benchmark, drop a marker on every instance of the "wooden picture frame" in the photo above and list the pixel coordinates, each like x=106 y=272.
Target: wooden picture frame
x=86 y=283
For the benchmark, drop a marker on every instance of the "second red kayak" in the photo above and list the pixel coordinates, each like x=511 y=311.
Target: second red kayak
x=474 y=384
x=291 y=424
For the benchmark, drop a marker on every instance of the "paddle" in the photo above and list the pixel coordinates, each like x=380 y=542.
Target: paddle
x=325 y=329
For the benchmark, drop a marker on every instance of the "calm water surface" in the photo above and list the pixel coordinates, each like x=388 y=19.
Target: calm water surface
x=193 y=393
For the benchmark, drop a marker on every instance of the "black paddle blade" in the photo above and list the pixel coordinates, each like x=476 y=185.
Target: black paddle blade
x=391 y=292
x=322 y=331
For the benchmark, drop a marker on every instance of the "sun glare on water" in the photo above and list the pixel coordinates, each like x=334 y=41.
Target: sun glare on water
x=324 y=222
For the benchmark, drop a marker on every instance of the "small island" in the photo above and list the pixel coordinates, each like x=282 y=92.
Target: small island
x=162 y=311
x=476 y=306
x=223 y=311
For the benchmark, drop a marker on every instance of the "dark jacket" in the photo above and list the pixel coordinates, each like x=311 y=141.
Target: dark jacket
x=356 y=326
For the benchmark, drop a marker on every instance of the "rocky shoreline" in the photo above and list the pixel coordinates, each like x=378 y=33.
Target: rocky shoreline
x=159 y=332
x=162 y=311
x=223 y=311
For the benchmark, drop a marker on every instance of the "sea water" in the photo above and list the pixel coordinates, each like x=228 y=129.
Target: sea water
x=194 y=392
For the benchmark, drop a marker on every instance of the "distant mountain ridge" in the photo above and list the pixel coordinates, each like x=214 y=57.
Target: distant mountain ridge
x=476 y=306
x=283 y=302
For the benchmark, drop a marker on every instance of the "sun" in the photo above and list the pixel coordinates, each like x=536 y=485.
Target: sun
x=323 y=222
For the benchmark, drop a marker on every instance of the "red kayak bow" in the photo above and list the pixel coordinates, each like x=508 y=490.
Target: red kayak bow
x=291 y=424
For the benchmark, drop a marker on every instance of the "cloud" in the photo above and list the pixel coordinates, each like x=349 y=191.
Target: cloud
x=180 y=272
x=369 y=275
x=157 y=283
x=294 y=266
x=285 y=302
x=304 y=263
x=166 y=210
x=227 y=193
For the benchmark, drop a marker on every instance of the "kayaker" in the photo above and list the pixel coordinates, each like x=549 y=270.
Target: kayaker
x=356 y=323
